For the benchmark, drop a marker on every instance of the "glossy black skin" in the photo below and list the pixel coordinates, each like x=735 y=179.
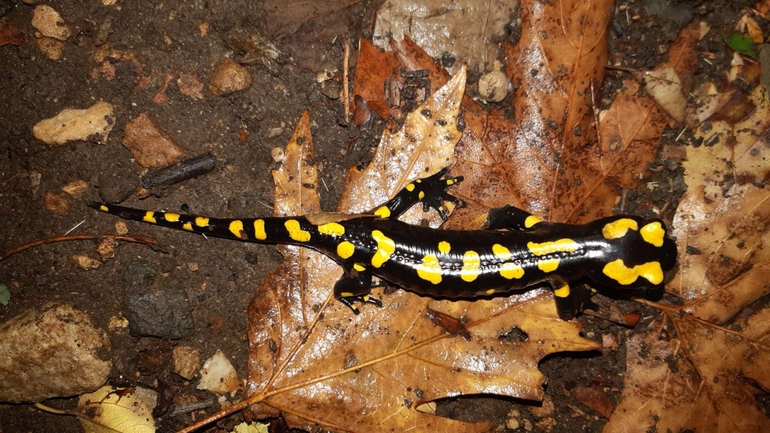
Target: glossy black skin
x=506 y=227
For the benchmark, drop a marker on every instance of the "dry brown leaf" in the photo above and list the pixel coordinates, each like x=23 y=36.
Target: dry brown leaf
x=697 y=379
x=319 y=365
x=110 y=410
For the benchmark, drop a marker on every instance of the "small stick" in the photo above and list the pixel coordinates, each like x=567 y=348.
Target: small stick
x=138 y=239
x=345 y=91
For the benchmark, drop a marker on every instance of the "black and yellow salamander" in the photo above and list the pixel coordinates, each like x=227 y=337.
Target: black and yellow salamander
x=514 y=250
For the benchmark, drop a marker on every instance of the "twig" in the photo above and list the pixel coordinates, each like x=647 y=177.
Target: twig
x=137 y=239
x=345 y=91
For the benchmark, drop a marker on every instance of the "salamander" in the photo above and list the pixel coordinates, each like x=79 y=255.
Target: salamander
x=514 y=250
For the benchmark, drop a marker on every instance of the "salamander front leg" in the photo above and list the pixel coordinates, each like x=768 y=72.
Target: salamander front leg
x=354 y=287
x=431 y=191
x=512 y=218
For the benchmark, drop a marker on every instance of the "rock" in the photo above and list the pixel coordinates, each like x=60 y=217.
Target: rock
x=152 y=310
x=229 y=77
x=51 y=352
x=151 y=146
x=92 y=124
x=187 y=361
x=50 y=24
x=218 y=375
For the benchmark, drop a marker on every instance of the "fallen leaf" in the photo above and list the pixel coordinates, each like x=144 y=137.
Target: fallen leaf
x=741 y=44
x=312 y=360
x=665 y=87
x=693 y=377
x=110 y=410
x=724 y=251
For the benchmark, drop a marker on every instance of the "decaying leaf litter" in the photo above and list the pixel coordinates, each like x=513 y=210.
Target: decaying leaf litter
x=597 y=179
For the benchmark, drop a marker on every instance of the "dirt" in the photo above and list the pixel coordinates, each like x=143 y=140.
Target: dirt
x=155 y=40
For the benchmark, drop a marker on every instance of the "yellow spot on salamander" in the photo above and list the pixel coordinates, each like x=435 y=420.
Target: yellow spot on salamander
x=502 y=253
x=104 y=208
x=259 y=229
x=201 y=221
x=471 y=265
x=149 y=217
x=450 y=182
x=444 y=247
x=531 y=221
x=296 y=232
x=618 y=228
x=562 y=292
x=345 y=250
x=359 y=267
x=653 y=233
x=382 y=212
x=421 y=195
x=236 y=228
x=430 y=270
x=409 y=187
x=171 y=217
x=548 y=265
x=346 y=295
x=560 y=246
x=332 y=229
x=511 y=270
x=490 y=292
x=187 y=226
x=624 y=275
x=385 y=247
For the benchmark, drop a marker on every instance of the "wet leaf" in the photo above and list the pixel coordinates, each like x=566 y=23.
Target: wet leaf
x=312 y=360
x=110 y=410
x=689 y=373
x=696 y=377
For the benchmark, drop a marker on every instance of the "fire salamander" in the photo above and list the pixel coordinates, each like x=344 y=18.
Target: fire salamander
x=514 y=250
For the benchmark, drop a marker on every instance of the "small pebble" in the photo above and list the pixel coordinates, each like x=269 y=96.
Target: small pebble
x=86 y=263
x=229 y=77
x=53 y=49
x=150 y=146
x=187 y=361
x=93 y=123
x=493 y=86
x=277 y=154
x=49 y=23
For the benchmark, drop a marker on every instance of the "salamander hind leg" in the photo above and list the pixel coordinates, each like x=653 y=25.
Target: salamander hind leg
x=431 y=191
x=570 y=300
x=355 y=286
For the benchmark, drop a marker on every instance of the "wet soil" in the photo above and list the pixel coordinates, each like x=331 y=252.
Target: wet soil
x=217 y=277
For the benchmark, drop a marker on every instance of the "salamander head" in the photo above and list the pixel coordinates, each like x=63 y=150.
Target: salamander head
x=639 y=254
